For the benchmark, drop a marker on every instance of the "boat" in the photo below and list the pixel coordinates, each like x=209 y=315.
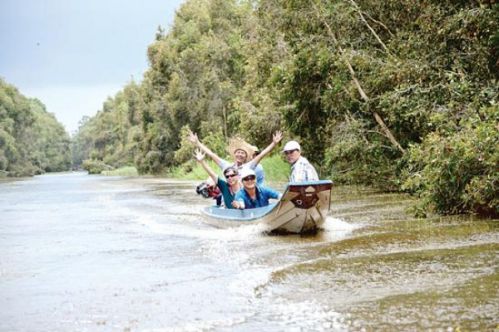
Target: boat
x=302 y=209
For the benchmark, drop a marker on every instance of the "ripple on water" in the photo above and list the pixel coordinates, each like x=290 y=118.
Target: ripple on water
x=87 y=253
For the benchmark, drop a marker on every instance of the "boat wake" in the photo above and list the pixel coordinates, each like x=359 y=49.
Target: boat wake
x=335 y=229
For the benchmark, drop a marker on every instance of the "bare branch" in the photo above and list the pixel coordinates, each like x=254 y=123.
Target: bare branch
x=361 y=91
x=380 y=23
x=369 y=27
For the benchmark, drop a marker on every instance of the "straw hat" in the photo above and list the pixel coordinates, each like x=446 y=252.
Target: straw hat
x=237 y=143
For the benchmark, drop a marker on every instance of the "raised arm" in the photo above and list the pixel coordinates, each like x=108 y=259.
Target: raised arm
x=199 y=155
x=275 y=140
x=193 y=138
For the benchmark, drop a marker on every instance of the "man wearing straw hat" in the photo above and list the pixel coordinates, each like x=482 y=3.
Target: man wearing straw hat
x=242 y=152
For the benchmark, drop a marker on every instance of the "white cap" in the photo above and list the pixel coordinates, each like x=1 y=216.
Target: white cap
x=246 y=171
x=291 y=145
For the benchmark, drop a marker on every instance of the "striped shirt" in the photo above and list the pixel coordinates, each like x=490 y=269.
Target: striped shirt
x=302 y=170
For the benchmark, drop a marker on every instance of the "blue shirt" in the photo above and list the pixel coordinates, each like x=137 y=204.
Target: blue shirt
x=263 y=194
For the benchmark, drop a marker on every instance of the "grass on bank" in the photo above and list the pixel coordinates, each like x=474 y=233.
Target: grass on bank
x=122 y=171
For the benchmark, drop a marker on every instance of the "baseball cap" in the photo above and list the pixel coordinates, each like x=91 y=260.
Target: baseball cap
x=246 y=171
x=291 y=145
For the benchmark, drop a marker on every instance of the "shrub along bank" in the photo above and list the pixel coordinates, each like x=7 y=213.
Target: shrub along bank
x=32 y=141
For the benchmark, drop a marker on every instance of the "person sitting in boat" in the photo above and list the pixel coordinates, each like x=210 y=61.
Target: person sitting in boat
x=242 y=152
x=228 y=186
x=252 y=195
x=301 y=169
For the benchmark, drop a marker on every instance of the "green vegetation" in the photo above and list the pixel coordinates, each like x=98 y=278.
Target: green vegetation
x=400 y=95
x=123 y=171
x=31 y=140
x=463 y=164
x=95 y=166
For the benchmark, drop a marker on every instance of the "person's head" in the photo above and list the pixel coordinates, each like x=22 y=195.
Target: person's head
x=248 y=178
x=292 y=151
x=231 y=175
x=240 y=150
x=240 y=156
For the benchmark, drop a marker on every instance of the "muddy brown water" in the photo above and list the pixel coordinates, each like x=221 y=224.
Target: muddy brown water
x=92 y=253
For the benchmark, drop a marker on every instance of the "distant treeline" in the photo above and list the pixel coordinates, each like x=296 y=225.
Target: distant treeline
x=396 y=94
x=31 y=140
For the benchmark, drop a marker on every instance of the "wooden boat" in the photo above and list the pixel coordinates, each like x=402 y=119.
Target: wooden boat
x=301 y=209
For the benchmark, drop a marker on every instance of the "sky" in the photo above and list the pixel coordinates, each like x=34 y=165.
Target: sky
x=74 y=54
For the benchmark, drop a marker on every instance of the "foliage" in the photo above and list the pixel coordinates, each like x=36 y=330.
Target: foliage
x=276 y=168
x=93 y=166
x=31 y=140
x=457 y=173
x=193 y=172
x=122 y=171
x=352 y=159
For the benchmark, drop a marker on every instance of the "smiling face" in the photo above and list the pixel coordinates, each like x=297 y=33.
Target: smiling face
x=292 y=156
x=240 y=156
x=249 y=182
x=231 y=176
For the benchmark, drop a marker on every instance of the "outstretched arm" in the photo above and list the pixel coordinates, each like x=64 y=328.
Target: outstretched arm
x=275 y=140
x=193 y=138
x=199 y=155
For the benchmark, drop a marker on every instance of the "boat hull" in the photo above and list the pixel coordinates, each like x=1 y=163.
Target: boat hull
x=301 y=209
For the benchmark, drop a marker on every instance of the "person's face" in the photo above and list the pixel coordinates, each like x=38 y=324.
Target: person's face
x=240 y=156
x=292 y=155
x=231 y=177
x=249 y=181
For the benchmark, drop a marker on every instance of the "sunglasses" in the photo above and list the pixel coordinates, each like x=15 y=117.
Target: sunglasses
x=249 y=178
x=228 y=176
x=289 y=152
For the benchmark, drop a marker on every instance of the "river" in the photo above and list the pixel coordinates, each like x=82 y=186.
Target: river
x=92 y=253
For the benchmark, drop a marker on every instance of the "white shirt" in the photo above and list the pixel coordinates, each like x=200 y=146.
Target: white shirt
x=302 y=170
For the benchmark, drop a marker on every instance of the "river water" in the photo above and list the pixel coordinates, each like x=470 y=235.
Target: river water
x=92 y=253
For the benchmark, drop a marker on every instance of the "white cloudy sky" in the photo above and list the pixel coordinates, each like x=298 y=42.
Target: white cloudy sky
x=73 y=54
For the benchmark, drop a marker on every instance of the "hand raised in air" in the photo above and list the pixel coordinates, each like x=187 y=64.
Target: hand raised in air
x=199 y=155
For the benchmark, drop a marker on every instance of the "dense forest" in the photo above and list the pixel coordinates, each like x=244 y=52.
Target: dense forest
x=32 y=141
x=397 y=94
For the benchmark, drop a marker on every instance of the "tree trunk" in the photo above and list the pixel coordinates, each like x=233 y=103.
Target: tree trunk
x=224 y=113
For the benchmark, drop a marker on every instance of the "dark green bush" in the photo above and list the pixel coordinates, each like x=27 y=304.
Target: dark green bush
x=457 y=173
x=95 y=166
